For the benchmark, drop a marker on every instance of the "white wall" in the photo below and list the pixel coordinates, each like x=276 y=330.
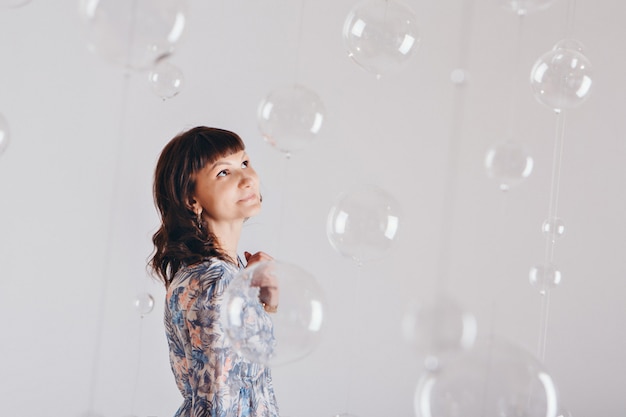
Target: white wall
x=76 y=211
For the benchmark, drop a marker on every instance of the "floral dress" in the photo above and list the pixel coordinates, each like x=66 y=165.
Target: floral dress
x=213 y=378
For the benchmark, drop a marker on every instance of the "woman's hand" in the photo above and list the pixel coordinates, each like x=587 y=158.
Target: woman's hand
x=265 y=280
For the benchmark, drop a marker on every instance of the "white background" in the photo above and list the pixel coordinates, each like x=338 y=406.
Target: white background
x=76 y=211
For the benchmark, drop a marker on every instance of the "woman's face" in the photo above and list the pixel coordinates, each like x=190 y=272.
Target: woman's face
x=227 y=190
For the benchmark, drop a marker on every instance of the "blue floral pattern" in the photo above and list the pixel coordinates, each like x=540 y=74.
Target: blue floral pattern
x=213 y=378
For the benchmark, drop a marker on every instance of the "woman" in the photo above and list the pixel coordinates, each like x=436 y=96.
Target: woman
x=205 y=189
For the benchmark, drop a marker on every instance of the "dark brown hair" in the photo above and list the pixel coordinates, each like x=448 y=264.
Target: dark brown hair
x=181 y=240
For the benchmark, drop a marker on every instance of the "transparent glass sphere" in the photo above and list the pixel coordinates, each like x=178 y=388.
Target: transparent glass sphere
x=553 y=228
x=523 y=7
x=563 y=77
x=144 y=303
x=4 y=134
x=133 y=34
x=459 y=76
x=493 y=379
x=442 y=326
x=508 y=163
x=269 y=337
x=166 y=79
x=544 y=277
x=363 y=223
x=290 y=117
x=381 y=36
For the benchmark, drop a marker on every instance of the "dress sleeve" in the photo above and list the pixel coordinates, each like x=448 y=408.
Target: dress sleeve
x=248 y=326
x=217 y=369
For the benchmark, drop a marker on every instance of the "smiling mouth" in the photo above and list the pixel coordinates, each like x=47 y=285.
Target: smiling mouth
x=248 y=198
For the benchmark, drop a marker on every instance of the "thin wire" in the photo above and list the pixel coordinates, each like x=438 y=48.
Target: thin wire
x=104 y=280
x=557 y=159
x=451 y=178
x=569 y=23
x=133 y=400
x=513 y=110
x=296 y=69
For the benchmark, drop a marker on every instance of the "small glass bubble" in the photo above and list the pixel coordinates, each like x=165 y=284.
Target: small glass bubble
x=290 y=118
x=553 y=228
x=144 y=303
x=544 y=277
x=166 y=79
x=381 y=36
x=508 y=163
x=458 y=76
x=563 y=77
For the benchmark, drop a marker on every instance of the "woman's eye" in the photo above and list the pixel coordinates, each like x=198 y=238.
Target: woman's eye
x=245 y=164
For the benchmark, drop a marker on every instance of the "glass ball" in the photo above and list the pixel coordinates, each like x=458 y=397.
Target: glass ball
x=263 y=335
x=523 y=7
x=133 y=34
x=553 y=228
x=563 y=77
x=508 y=163
x=363 y=223
x=290 y=117
x=166 y=79
x=381 y=36
x=493 y=379
x=544 y=277
x=459 y=76
x=144 y=303
x=4 y=134
x=439 y=327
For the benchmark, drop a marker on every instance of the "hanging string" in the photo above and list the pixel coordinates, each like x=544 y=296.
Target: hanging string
x=550 y=240
x=352 y=336
x=451 y=178
x=133 y=400
x=296 y=67
x=106 y=268
x=569 y=22
x=549 y=272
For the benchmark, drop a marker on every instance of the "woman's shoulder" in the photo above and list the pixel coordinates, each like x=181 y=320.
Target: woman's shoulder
x=206 y=271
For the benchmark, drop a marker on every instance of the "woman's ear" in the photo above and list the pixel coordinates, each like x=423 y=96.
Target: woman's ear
x=194 y=205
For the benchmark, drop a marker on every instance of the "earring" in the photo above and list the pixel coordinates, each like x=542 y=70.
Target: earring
x=199 y=219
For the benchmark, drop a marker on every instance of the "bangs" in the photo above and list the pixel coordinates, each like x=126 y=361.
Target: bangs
x=212 y=144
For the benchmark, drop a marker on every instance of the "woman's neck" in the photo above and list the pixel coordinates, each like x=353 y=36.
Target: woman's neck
x=227 y=237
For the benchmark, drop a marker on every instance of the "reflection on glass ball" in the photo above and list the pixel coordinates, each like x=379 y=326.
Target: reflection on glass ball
x=523 y=7
x=493 y=379
x=381 y=35
x=553 y=228
x=165 y=79
x=563 y=77
x=4 y=134
x=363 y=224
x=508 y=163
x=133 y=34
x=544 y=277
x=438 y=328
x=290 y=117
x=144 y=303
x=270 y=337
